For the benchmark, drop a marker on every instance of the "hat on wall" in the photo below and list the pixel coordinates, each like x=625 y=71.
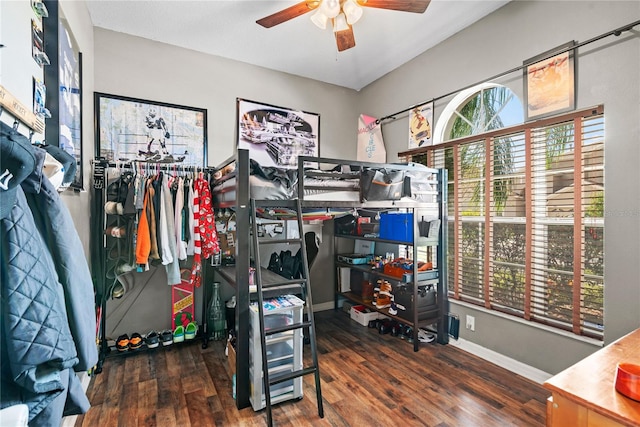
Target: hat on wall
x=17 y=162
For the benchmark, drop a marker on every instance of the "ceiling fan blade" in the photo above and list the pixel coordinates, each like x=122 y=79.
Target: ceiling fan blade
x=345 y=39
x=288 y=13
x=415 y=6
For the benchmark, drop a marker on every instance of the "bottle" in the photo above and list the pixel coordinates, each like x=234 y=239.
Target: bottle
x=216 y=316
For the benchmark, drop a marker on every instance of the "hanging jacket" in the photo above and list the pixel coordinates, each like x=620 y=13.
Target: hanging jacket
x=38 y=352
x=196 y=265
x=156 y=183
x=54 y=222
x=37 y=349
x=154 y=253
x=190 y=220
x=207 y=224
x=181 y=245
x=143 y=242
x=167 y=224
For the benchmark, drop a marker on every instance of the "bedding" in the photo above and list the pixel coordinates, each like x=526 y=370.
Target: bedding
x=340 y=184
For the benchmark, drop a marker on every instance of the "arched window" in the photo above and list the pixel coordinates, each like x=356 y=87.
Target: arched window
x=477 y=110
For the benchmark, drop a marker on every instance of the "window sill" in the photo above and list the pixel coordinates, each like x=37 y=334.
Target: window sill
x=587 y=340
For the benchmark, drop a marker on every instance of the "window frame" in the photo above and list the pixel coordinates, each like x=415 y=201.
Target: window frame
x=578 y=222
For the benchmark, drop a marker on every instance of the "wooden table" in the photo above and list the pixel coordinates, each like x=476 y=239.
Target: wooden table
x=584 y=394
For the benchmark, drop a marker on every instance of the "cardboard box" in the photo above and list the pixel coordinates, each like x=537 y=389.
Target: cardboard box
x=363 y=315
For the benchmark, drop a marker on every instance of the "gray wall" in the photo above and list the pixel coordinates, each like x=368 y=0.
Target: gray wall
x=608 y=72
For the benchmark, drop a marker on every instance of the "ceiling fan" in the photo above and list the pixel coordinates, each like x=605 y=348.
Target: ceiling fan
x=342 y=14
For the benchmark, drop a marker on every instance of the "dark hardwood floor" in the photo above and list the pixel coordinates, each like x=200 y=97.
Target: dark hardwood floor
x=368 y=379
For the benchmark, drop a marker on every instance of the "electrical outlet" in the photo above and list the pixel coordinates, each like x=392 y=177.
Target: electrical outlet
x=471 y=323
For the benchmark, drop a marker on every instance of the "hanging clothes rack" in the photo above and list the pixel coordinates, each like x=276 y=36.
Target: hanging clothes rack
x=101 y=166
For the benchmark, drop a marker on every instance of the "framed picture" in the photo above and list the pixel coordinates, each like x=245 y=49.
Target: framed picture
x=420 y=123
x=64 y=127
x=276 y=136
x=130 y=129
x=549 y=82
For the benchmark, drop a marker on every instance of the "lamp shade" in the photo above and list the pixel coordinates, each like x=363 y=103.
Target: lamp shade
x=320 y=19
x=331 y=8
x=340 y=23
x=352 y=11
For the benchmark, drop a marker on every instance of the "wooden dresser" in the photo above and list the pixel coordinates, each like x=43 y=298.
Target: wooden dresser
x=584 y=395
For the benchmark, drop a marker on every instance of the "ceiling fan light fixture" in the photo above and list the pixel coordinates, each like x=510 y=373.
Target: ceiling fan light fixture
x=340 y=23
x=320 y=19
x=352 y=11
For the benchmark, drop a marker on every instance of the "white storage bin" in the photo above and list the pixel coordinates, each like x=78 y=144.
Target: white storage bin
x=284 y=350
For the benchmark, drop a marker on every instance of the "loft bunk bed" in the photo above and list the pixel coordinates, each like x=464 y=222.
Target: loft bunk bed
x=327 y=188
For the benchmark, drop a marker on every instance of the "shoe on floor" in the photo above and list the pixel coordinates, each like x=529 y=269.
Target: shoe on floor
x=152 y=339
x=424 y=336
x=408 y=333
x=136 y=341
x=122 y=344
x=178 y=334
x=191 y=330
x=167 y=337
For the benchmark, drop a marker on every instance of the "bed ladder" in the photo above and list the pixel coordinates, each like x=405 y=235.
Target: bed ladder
x=300 y=286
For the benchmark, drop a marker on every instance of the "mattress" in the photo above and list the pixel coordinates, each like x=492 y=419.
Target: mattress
x=320 y=185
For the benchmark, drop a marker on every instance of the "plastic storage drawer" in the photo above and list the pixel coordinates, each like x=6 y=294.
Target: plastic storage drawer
x=284 y=350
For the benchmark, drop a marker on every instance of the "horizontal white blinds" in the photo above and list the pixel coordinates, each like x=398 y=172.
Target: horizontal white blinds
x=526 y=222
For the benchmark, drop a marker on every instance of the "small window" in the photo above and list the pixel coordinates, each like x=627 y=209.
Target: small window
x=478 y=110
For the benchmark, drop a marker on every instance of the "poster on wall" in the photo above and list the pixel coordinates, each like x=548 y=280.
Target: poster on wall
x=370 y=143
x=420 y=123
x=130 y=129
x=549 y=83
x=276 y=136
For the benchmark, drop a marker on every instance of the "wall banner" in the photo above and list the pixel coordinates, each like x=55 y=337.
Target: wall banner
x=370 y=143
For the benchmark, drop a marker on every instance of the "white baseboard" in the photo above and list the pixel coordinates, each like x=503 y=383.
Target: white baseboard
x=501 y=360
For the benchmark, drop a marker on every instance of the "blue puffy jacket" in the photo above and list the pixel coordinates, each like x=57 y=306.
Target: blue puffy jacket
x=48 y=321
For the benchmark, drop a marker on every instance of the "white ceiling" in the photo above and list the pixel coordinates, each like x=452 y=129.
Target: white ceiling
x=385 y=39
